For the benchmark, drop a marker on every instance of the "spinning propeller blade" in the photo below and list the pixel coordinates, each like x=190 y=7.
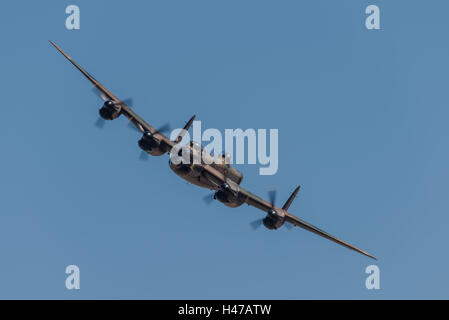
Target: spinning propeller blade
x=143 y=156
x=256 y=224
x=100 y=123
x=100 y=94
x=128 y=101
x=164 y=128
x=272 y=197
x=208 y=199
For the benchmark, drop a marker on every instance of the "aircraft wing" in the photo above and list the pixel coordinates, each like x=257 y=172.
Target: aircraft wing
x=255 y=201
x=264 y=205
x=305 y=225
x=140 y=124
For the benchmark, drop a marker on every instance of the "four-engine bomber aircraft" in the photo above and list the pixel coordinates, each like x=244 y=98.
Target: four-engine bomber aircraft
x=218 y=176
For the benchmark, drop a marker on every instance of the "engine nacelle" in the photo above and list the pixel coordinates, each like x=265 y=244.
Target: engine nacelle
x=273 y=220
x=148 y=143
x=110 y=110
x=226 y=196
x=151 y=144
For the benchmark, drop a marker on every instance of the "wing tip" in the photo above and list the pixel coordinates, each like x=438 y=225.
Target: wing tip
x=372 y=257
x=300 y=223
x=357 y=249
x=60 y=50
x=54 y=44
x=365 y=253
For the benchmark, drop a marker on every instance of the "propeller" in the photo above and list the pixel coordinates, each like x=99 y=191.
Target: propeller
x=100 y=93
x=143 y=156
x=100 y=123
x=209 y=198
x=272 y=197
x=104 y=97
x=256 y=224
x=127 y=101
x=164 y=128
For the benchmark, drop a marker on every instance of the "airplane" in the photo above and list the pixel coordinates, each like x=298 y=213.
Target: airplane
x=219 y=176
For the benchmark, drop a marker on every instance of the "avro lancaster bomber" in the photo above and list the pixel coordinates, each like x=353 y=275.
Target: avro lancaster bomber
x=218 y=175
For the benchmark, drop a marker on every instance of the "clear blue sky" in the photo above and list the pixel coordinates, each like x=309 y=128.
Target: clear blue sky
x=362 y=118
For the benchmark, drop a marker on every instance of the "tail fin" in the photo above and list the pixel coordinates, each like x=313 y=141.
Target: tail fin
x=185 y=129
x=290 y=199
